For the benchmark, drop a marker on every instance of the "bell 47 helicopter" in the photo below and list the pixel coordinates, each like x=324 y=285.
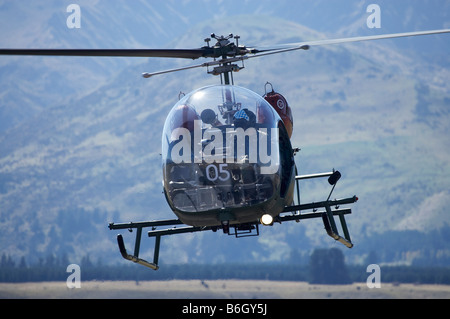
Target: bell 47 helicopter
x=227 y=159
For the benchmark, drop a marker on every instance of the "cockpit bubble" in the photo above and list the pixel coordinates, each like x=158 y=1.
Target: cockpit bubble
x=220 y=150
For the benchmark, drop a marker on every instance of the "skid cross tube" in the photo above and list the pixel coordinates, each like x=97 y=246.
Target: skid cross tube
x=172 y=231
x=336 y=202
x=311 y=176
x=338 y=212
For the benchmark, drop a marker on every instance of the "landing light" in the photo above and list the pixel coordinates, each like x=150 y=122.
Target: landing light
x=266 y=220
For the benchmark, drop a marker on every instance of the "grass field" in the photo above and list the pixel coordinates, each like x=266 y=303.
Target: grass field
x=218 y=289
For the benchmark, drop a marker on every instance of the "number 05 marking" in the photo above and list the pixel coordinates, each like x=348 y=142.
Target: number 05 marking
x=212 y=173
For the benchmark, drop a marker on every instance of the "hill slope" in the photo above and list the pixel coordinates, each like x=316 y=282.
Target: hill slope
x=378 y=115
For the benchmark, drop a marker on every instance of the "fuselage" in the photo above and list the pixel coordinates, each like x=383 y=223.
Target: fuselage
x=226 y=158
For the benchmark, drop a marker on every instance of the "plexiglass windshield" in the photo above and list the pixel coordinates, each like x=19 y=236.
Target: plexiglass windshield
x=220 y=149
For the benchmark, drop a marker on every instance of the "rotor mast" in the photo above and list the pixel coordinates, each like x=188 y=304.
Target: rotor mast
x=227 y=50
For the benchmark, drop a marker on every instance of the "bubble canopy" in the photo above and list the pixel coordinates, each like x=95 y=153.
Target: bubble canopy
x=217 y=105
x=220 y=150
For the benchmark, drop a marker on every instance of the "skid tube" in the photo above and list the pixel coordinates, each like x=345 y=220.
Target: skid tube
x=327 y=217
x=328 y=214
x=157 y=234
x=143 y=262
x=138 y=226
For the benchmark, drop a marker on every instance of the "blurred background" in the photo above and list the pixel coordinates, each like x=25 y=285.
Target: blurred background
x=80 y=138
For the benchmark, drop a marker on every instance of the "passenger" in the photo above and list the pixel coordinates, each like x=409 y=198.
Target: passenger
x=244 y=118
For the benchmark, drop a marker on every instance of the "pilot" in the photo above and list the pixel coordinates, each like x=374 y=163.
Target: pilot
x=183 y=116
x=208 y=116
x=265 y=115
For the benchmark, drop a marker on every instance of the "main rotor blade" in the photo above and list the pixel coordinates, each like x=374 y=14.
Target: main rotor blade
x=377 y=37
x=157 y=53
x=306 y=45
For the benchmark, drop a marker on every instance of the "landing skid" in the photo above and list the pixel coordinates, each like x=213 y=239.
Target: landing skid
x=239 y=231
x=245 y=230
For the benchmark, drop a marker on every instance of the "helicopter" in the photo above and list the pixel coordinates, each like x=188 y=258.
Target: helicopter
x=227 y=158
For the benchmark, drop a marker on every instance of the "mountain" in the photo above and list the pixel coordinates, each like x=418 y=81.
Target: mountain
x=32 y=84
x=80 y=137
